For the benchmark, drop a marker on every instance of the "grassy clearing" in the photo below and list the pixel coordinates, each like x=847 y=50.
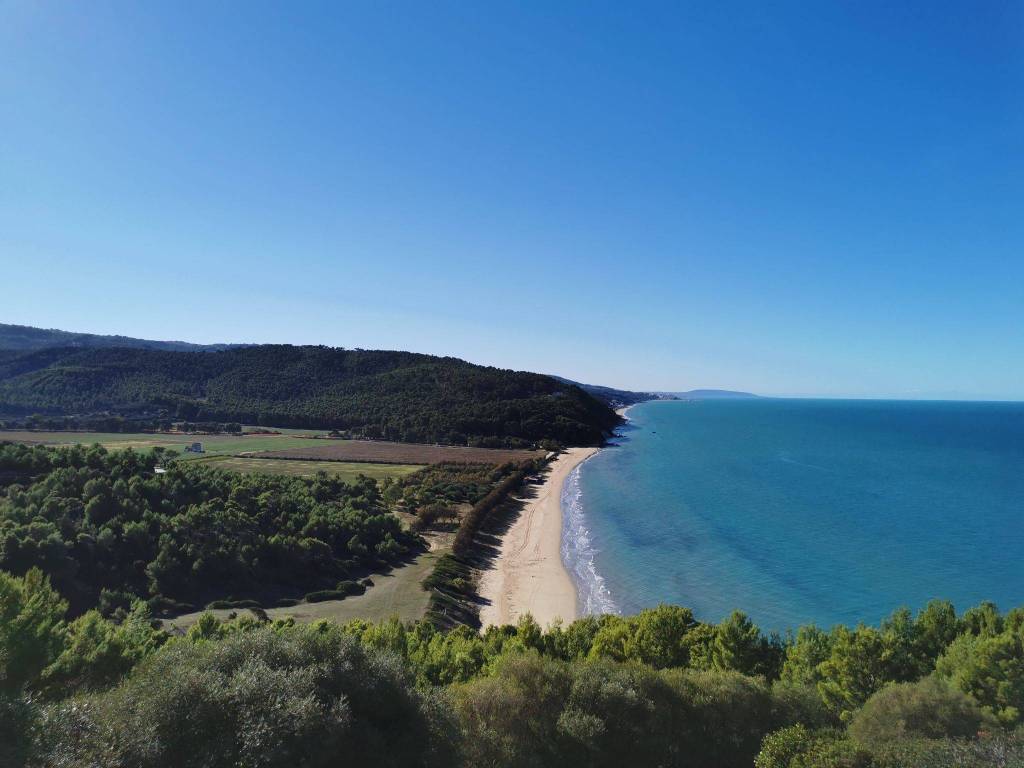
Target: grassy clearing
x=288 y=430
x=213 y=445
x=399 y=593
x=345 y=470
x=298 y=446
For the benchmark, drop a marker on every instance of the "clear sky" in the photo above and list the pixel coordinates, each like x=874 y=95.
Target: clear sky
x=789 y=198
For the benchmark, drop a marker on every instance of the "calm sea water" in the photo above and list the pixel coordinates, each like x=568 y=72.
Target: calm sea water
x=802 y=511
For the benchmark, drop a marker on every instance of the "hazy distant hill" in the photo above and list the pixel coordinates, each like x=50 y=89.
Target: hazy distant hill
x=714 y=394
x=395 y=395
x=616 y=398
x=27 y=338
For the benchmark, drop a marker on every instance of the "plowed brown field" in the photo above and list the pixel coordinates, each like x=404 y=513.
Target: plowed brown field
x=383 y=452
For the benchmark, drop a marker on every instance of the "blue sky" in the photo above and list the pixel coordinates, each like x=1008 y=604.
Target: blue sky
x=790 y=198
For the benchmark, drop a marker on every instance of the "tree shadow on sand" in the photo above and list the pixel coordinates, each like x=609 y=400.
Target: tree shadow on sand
x=487 y=543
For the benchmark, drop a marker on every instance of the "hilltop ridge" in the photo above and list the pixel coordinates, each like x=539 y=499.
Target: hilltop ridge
x=403 y=396
x=26 y=338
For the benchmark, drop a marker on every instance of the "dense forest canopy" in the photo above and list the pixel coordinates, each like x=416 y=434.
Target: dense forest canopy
x=108 y=529
x=394 y=395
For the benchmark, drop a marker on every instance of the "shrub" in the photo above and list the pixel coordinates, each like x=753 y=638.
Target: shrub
x=113 y=601
x=990 y=668
x=990 y=750
x=32 y=631
x=165 y=606
x=98 y=653
x=309 y=697
x=930 y=708
x=325 y=594
x=229 y=603
x=780 y=748
x=17 y=720
x=537 y=711
x=350 y=588
x=429 y=514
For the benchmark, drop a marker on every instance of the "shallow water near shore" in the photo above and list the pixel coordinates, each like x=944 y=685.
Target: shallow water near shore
x=801 y=511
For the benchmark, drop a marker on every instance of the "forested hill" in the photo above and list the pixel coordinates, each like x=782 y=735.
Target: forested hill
x=24 y=338
x=394 y=395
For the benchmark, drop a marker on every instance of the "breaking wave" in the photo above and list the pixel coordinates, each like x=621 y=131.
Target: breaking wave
x=578 y=552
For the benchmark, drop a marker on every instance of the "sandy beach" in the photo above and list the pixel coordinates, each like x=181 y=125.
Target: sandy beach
x=528 y=575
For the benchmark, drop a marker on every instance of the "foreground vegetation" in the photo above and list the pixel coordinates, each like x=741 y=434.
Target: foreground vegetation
x=656 y=689
x=393 y=395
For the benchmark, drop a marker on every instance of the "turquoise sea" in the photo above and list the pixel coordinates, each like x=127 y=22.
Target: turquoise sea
x=801 y=511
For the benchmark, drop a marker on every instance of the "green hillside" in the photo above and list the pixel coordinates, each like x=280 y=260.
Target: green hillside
x=394 y=395
x=25 y=338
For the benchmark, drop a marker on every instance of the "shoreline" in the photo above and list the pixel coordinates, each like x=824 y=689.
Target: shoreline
x=528 y=575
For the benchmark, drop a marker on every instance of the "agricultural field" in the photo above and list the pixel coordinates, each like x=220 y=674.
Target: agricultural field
x=379 y=451
x=213 y=445
x=346 y=470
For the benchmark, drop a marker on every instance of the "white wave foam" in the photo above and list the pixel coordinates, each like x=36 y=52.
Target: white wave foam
x=578 y=553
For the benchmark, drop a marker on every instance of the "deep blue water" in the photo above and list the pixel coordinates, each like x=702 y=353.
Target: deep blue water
x=802 y=511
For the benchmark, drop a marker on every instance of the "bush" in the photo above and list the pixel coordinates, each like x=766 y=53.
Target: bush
x=990 y=750
x=428 y=515
x=930 y=708
x=113 y=602
x=730 y=714
x=540 y=712
x=326 y=594
x=990 y=668
x=780 y=748
x=98 y=653
x=17 y=720
x=309 y=697
x=451 y=603
x=229 y=603
x=259 y=614
x=795 y=703
x=350 y=588
x=165 y=606
x=32 y=631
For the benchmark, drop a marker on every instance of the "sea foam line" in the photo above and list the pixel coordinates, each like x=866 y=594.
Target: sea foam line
x=578 y=552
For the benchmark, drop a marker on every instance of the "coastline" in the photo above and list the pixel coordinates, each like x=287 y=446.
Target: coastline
x=528 y=575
